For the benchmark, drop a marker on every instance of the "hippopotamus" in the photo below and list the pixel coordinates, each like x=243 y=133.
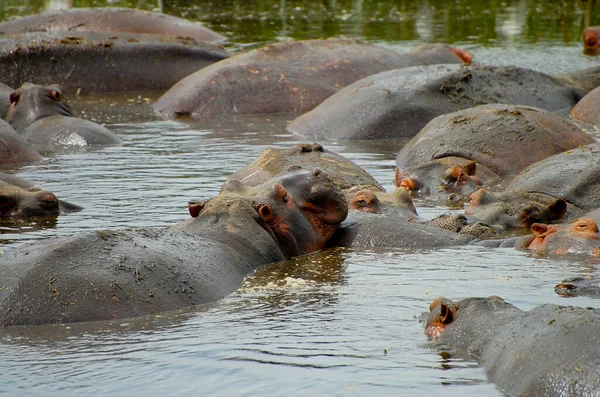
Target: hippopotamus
x=585 y=79
x=14 y=149
x=563 y=184
x=591 y=40
x=95 y=62
x=399 y=103
x=588 y=108
x=548 y=351
x=289 y=77
x=22 y=199
x=497 y=140
x=125 y=273
x=111 y=19
x=398 y=202
x=578 y=286
x=5 y=92
x=43 y=117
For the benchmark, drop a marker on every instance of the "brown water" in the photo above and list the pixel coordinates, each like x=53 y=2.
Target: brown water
x=341 y=322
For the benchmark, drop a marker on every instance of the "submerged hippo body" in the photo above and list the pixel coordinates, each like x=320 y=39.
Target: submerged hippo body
x=43 y=117
x=288 y=77
x=547 y=351
x=118 y=274
x=564 y=184
x=588 y=109
x=399 y=103
x=14 y=149
x=93 y=62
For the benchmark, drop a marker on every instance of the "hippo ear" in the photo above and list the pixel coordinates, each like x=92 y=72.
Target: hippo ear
x=539 y=229
x=195 y=207
x=446 y=313
x=264 y=211
x=56 y=95
x=557 y=209
x=281 y=194
x=470 y=168
x=399 y=177
x=14 y=97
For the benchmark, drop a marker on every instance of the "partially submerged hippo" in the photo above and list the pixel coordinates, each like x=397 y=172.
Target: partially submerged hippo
x=93 y=62
x=566 y=183
x=111 y=19
x=399 y=103
x=21 y=199
x=578 y=286
x=591 y=40
x=14 y=149
x=43 y=117
x=118 y=274
x=289 y=77
x=547 y=351
x=374 y=201
x=585 y=79
x=457 y=152
x=588 y=109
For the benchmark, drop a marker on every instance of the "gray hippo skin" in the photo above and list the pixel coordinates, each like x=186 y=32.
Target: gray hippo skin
x=14 y=148
x=399 y=103
x=578 y=286
x=118 y=274
x=502 y=138
x=547 y=351
x=289 y=77
x=5 y=92
x=585 y=79
x=111 y=19
x=43 y=117
x=567 y=183
x=94 y=62
x=588 y=109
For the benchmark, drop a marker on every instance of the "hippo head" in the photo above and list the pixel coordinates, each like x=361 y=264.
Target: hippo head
x=32 y=102
x=372 y=201
x=453 y=181
x=363 y=200
x=578 y=286
x=299 y=209
x=18 y=203
x=515 y=209
x=578 y=237
x=591 y=41
x=466 y=317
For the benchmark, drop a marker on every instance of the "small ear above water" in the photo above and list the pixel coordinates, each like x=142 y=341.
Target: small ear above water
x=195 y=207
x=281 y=194
x=264 y=211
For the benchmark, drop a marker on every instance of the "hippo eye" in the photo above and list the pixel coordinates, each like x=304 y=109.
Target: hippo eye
x=56 y=95
x=14 y=97
x=362 y=203
x=48 y=203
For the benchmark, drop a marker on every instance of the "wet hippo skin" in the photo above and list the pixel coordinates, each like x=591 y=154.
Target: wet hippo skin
x=547 y=351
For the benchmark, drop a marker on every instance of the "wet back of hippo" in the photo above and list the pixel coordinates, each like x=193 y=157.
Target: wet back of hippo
x=504 y=138
x=286 y=77
x=588 y=109
x=399 y=103
x=115 y=274
x=343 y=172
x=573 y=175
x=14 y=149
x=92 y=62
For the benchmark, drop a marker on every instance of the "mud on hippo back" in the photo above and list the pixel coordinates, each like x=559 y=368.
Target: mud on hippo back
x=118 y=274
x=289 y=77
x=456 y=153
x=43 y=117
x=399 y=103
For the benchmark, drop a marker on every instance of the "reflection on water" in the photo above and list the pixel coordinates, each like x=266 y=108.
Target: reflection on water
x=339 y=322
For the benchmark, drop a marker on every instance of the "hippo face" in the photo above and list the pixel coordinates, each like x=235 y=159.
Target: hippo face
x=591 y=41
x=578 y=237
x=32 y=102
x=463 y=316
x=514 y=209
x=376 y=202
x=300 y=209
x=363 y=200
x=18 y=203
x=452 y=182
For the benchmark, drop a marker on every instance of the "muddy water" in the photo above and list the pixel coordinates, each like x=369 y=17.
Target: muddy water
x=340 y=322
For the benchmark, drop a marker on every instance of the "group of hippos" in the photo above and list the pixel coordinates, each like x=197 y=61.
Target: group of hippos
x=488 y=138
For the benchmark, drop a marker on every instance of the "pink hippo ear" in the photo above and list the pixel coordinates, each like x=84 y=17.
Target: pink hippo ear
x=441 y=313
x=195 y=207
x=265 y=212
x=470 y=168
x=14 y=97
x=539 y=229
x=281 y=194
x=56 y=95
